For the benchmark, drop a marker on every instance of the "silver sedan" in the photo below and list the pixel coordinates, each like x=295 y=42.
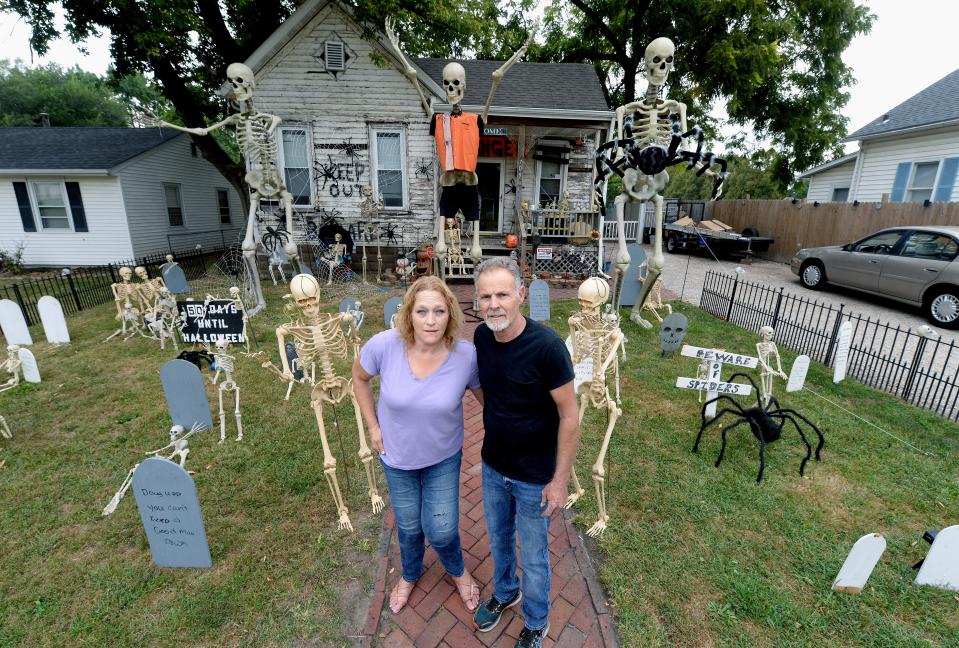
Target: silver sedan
x=913 y=265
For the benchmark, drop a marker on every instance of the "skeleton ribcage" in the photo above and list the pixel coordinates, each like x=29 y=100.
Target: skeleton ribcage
x=257 y=142
x=320 y=343
x=652 y=126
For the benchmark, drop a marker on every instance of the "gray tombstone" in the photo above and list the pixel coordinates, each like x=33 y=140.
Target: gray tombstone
x=28 y=364
x=170 y=511
x=539 y=300
x=12 y=324
x=185 y=392
x=174 y=278
x=390 y=308
x=54 y=322
x=672 y=332
x=635 y=275
x=292 y=359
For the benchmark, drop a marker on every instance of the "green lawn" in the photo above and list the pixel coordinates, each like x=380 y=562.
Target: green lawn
x=695 y=555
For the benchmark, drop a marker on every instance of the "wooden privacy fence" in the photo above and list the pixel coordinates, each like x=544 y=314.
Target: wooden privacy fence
x=804 y=225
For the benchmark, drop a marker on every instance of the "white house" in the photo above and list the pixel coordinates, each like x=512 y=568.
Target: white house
x=910 y=152
x=89 y=196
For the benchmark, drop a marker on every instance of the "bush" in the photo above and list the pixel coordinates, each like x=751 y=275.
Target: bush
x=12 y=262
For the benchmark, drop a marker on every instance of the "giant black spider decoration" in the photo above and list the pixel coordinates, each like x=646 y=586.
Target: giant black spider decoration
x=326 y=172
x=424 y=167
x=766 y=424
x=653 y=159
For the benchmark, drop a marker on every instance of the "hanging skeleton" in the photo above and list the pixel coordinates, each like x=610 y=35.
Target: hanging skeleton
x=320 y=339
x=767 y=351
x=225 y=363
x=652 y=136
x=600 y=339
x=11 y=365
x=370 y=208
x=457 y=142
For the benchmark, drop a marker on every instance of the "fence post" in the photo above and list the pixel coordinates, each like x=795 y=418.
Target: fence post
x=113 y=275
x=73 y=289
x=832 y=338
x=23 y=307
x=779 y=301
x=729 y=311
x=914 y=367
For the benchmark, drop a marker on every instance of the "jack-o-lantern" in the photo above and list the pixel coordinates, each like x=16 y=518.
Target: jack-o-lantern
x=511 y=241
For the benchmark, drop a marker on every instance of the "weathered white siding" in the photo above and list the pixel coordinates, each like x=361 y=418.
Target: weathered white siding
x=880 y=157
x=822 y=184
x=108 y=239
x=142 y=181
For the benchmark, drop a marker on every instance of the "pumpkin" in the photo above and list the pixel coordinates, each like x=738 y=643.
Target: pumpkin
x=511 y=241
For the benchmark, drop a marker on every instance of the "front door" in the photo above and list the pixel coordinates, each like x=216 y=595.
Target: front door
x=491 y=195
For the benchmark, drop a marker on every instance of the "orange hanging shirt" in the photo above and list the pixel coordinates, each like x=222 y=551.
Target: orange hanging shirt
x=457 y=141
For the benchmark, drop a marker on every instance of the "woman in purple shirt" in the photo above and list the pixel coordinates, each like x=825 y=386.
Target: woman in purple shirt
x=417 y=427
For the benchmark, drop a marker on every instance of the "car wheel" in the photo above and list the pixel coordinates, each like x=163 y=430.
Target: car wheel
x=812 y=275
x=672 y=245
x=942 y=309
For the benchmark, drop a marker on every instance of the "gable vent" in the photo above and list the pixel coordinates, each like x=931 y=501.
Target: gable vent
x=335 y=56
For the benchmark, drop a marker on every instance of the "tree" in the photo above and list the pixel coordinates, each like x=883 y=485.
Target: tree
x=777 y=65
x=70 y=97
x=749 y=177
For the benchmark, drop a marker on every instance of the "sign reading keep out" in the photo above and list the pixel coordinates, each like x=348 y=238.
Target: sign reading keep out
x=210 y=321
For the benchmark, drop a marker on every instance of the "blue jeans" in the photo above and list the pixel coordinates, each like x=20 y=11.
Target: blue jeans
x=426 y=502
x=510 y=506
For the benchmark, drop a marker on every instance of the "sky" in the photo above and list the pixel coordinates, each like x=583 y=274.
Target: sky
x=910 y=47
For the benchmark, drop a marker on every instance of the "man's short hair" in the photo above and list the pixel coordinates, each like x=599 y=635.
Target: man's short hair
x=499 y=262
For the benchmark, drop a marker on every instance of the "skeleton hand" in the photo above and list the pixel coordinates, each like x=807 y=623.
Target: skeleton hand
x=395 y=41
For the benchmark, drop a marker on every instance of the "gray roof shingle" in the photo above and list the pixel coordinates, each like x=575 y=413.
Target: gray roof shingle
x=936 y=104
x=76 y=148
x=566 y=86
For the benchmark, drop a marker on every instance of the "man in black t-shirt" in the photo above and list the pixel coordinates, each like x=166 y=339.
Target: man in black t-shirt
x=531 y=425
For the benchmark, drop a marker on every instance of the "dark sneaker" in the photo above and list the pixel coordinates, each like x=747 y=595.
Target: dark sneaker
x=532 y=638
x=490 y=611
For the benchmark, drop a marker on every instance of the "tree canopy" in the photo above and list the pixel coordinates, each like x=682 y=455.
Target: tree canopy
x=750 y=177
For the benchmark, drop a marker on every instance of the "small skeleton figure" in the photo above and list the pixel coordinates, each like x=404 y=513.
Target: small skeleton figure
x=130 y=317
x=124 y=291
x=455 y=261
x=767 y=351
x=319 y=339
x=457 y=141
x=162 y=320
x=12 y=366
x=226 y=363
x=277 y=259
x=655 y=301
x=594 y=336
x=4 y=430
x=256 y=138
x=358 y=314
x=702 y=373
x=335 y=256
x=235 y=296
x=370 y=208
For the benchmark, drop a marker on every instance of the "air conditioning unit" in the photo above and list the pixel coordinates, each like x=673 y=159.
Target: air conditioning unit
x=335 y=56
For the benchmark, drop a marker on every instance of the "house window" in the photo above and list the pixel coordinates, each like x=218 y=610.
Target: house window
x=223 y=205
x=174 y=206
x=51 y=205
x=840 y=194
x=389 y=161
x=551 y=162
x=923 y=181
x=296 y=165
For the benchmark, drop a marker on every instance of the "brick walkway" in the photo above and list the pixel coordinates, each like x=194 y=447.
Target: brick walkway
x=435 y=614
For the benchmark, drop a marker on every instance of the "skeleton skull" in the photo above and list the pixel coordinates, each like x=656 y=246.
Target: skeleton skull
x=169 y=258
x=306 y=294
x=659 y=60
x=222 y=345
x=673 y=331
x=241 y=81
x=234 y=292
x=141 y=272
x=126 y=273
x=593 y=293
x=767 y=333
x=454 y=82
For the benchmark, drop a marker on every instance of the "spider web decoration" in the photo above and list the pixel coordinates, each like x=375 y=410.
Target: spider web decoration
x=228 y=271
x=345 y=282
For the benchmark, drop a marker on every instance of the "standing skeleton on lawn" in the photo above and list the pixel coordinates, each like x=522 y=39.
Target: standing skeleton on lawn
x=235 y=297
x=651 y=136
x=320 y=339
x=370 y=207
x=458 y=166
x=599 y=338
x=11 y=365
x=226 y=363
x=256 y=137
x=767 y=351
x=124 y=292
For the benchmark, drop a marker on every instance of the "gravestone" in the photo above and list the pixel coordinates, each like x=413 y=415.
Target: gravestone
x=859 y=564
x=389 y=309
x=635 y=275
x=28 y=364
x=672 y=332
x=797 y=376
x=12 y=324
x=941 y=566
x=582 y=370
x=174 y=278
x=211 y=321
x=170 y=511
x=842 y=352
x=291 y=356
x=54 y=322
x=185 y=392
x=539 y=300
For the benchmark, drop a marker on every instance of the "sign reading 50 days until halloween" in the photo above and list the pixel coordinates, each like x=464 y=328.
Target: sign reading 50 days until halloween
x=211 y=321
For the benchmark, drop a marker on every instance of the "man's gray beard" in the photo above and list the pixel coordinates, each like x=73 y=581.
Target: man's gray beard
x=498 y=326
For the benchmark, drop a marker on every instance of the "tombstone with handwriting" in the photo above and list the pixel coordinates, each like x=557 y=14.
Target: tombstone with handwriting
x=539 y=300
x=170 y=511
x=797 y=376
x=185 y=392
x=12 y=323
x=54 y=322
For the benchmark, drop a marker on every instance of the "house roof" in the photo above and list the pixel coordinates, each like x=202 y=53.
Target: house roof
x=76 y=148
x=936 y=105
x=839 y=161
x=562 y=86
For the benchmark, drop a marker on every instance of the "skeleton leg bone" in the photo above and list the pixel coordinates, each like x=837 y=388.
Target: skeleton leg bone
x=656 y=264
x=4 y=430
x=329 y=464
x=236 y=413
x=578 y=490
x=599 y=473
x=124 y=487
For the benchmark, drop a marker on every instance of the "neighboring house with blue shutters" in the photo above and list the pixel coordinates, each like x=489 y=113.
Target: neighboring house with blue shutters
x=910 y=152
x=88 y=196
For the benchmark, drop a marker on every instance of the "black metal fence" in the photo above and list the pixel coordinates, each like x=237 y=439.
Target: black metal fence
x=89 y=286
x=921 y=370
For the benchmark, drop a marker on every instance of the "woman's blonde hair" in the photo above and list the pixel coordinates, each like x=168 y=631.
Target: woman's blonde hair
x=404 y=321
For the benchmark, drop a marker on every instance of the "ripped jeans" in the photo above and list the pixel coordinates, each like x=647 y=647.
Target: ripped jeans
x=426 y=502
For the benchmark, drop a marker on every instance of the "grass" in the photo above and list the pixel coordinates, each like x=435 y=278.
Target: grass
x=695 y=555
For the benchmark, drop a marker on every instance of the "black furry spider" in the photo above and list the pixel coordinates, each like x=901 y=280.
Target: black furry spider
x=197 y=358
x=766 y=424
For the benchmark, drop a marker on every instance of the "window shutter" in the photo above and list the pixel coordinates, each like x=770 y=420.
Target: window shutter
x=76 y=207
x=23 y=202
x=947 y=180
x=899 y=184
